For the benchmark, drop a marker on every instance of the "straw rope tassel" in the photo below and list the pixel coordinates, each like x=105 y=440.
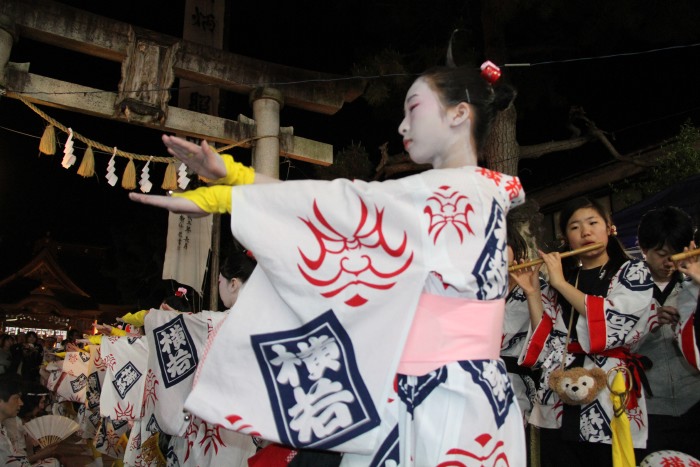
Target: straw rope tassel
x=87 y=166
x=129 y=178
x=170 y=178
x=47 y=145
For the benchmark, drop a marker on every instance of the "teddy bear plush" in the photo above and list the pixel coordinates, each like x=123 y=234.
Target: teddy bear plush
x=578 y=386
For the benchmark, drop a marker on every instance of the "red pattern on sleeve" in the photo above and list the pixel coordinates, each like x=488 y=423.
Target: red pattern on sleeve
x=595 y=316
x=537 y=341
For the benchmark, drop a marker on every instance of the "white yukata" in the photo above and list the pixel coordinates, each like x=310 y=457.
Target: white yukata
x=89 y=416
x=68 y=377
x=613 y=325
x=310 y=359
x=516 y=327
x=177 y=342
x=207 y=444
x=126 y=361
x=13 y=452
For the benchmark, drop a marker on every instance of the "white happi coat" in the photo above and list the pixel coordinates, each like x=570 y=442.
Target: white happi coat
x=311 y=356
x=618 y=320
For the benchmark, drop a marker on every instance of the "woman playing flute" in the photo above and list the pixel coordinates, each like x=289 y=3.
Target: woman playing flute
x=606 y=298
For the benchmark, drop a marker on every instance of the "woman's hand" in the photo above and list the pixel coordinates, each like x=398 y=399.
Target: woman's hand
x=172 y=204
x=105 y=329
x=554 y=269
x=690 y=266
x=199 y=157
x=43 y=453
x=668 y=315
x=527 y=279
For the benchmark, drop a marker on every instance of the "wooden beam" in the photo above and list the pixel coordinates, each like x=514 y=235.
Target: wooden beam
x=562 y=190
x=70 y=28
x=76 y=98
x=627 y=166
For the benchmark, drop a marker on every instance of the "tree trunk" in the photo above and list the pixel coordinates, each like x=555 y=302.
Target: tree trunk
x=501 y=151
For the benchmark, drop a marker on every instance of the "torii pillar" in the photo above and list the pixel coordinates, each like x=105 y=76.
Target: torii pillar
x=266 y=103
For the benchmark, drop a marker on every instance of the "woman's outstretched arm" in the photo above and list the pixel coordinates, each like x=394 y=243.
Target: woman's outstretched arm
x=176 y=205
x=217 y=168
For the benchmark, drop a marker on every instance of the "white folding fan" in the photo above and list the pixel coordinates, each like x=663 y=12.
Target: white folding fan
x=50 y=429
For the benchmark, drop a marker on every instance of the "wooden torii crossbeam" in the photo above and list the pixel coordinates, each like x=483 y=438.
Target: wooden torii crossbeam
x=59 y=25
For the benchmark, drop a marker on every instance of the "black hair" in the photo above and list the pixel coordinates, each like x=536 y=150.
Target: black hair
x=239 y=264
x=33 y=334
x=5 y=337
x=178 y=302
x=616 y=252
x=10 y=384
x=465 y=84
x=31 y=396
x=516 y=241
x=665 y=226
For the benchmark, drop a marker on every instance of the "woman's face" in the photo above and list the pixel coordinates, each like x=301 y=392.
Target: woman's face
x=585 y=227
x=424 y=124
x=41 y=406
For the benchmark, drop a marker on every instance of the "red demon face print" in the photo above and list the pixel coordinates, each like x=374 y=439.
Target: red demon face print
x=488 y=453
x=360 y=260
x=127 y=413
x=448 y=207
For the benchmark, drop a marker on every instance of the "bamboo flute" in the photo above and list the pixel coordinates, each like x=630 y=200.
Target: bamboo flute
x=566 y=254
x=685 y=255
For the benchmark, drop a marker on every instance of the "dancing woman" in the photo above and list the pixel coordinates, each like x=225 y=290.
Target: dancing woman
x=360 y=281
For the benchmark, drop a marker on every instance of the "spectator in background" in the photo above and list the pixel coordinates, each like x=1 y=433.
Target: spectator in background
x=71 y=339
x=12 y=446
x=6 y=343
x=32 y=357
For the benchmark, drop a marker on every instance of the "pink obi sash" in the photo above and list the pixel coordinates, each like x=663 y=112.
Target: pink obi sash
x=449 y=329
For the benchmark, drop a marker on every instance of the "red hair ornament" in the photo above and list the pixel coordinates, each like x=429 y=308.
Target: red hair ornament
x=490 y=72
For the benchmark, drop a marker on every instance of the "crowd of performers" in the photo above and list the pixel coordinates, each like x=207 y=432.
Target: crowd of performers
x=380 y=325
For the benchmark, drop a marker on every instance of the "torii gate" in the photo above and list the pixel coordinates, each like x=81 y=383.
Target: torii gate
x=49 y=22
x=152 y=61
